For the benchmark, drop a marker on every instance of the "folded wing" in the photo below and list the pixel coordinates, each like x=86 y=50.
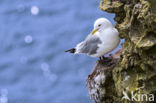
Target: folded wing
x=89 y=46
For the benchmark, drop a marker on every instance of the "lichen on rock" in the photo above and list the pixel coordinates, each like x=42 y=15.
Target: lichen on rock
x=100 y=82
x=136 y=69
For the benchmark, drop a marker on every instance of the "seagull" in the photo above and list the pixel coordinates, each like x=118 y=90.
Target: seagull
x=103 y=39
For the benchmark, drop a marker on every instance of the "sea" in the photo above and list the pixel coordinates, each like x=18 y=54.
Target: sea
x=33 y=37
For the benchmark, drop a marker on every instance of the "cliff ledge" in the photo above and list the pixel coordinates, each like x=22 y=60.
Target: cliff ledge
x=132 y=70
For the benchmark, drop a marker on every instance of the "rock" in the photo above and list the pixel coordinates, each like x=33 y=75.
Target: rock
x=100 y=82
x=135 y=71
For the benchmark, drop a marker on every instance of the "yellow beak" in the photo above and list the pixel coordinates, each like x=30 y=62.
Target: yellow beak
x=94 y=31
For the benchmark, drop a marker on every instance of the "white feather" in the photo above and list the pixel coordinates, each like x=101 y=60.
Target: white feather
x=107 y=34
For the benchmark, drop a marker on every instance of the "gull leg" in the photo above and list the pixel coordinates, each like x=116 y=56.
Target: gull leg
x=103 y=57
x=100 y=58
x=106 y=59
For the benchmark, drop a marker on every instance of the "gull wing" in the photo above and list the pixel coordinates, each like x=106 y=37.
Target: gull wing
x=89 y=45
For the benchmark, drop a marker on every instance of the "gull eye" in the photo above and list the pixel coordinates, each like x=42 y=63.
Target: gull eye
x=99 y=25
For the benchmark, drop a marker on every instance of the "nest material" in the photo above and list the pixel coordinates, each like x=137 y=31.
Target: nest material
x=100 y=82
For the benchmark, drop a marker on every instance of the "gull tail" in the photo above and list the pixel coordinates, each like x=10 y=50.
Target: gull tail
x=73 y=50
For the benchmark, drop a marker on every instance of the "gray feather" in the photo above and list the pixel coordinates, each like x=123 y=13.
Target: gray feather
x=90 y=45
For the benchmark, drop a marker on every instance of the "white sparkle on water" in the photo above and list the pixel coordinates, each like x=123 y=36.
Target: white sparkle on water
x=34 y=10
x=45 y=67
x=3 y=96
x=28 y=39
x=47 y=72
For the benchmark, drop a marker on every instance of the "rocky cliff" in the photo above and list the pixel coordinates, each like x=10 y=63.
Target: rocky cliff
x=132 y=72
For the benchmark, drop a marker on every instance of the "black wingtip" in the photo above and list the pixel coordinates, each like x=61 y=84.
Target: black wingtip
x=71 y=50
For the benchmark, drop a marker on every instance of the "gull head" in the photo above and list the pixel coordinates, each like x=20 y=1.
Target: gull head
x=101 y=24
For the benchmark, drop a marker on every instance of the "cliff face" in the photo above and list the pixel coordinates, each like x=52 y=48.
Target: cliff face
x=135 y=71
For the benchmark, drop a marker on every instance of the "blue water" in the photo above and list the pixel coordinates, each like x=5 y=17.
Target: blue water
x=33 y=36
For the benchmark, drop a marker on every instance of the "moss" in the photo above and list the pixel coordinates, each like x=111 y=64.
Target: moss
x=106 y=5
x=136 y=69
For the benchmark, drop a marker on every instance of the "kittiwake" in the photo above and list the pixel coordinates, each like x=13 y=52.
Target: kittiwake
x=102 y=40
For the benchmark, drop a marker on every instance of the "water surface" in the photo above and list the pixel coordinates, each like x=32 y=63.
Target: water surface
x=33 y=37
